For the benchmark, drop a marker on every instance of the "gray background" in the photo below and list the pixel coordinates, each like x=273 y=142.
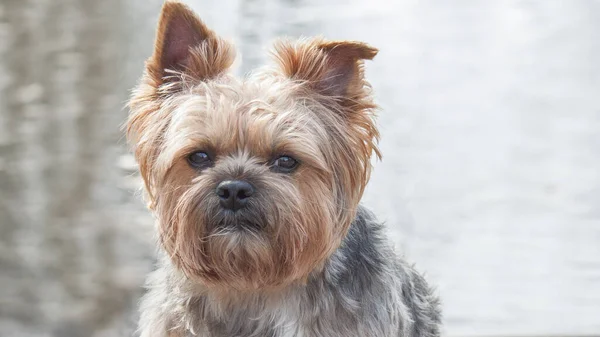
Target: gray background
x=490 y=180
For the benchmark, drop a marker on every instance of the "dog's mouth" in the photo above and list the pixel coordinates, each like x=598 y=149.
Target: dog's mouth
x=233 y=222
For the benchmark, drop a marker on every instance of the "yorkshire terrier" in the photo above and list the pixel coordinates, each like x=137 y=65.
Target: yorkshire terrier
x=256 y=184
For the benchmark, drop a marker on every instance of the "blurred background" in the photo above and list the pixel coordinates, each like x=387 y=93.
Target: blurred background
x=490 y=180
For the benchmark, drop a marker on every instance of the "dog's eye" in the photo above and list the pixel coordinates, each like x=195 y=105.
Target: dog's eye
x=199 y=159
x=285 y=164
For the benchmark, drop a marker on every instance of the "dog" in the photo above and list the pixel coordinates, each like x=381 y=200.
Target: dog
x=256 y=184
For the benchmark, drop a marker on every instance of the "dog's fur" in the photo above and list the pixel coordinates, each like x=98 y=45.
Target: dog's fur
x=303 y=258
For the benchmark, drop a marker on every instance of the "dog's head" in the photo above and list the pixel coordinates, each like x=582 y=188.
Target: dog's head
x=254 y=181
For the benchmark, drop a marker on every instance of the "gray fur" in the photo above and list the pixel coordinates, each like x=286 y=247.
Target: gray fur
x=365 y=290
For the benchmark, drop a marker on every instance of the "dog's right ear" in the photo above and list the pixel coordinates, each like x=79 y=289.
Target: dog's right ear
x=186 y=49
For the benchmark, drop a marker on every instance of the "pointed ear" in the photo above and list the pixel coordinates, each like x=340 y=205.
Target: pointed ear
x=185 y=47
x=331 y=68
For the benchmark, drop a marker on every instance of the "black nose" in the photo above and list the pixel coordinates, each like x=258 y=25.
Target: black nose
x=234 y=194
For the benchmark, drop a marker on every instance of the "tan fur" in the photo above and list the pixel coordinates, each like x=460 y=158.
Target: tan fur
x=316 y=106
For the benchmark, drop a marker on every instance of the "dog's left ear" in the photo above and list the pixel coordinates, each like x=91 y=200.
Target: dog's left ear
x=332 y=68
x=185 y=48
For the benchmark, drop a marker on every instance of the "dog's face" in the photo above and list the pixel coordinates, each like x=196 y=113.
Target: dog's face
x=254 y=181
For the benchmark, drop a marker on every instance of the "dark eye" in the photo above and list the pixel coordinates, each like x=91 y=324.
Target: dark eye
x=199 y=159
x=285 y=164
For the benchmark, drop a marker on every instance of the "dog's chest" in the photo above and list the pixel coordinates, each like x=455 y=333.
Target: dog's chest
x=283 y=320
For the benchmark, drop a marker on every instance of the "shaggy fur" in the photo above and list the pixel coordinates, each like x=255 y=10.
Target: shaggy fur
x=302 y=258
x=363 y=291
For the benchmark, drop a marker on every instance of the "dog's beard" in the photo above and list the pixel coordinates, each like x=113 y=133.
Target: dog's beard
x=239 y=246
x=268 y=244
